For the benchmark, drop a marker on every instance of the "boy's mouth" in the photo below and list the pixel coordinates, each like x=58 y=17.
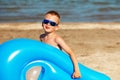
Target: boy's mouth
x=46 y=27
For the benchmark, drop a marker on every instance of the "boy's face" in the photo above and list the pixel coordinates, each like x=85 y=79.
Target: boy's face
x=50 y=23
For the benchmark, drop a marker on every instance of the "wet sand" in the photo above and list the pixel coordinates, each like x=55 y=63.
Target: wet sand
x=97 y=47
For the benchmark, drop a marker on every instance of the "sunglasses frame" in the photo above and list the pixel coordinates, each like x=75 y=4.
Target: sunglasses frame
x=45 y=21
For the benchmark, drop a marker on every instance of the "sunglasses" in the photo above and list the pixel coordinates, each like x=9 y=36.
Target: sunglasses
x=45 y=21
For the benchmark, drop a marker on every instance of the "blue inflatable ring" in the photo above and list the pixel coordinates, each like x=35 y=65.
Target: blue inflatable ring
x=17 y=56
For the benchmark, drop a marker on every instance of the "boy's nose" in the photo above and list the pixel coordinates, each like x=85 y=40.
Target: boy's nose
x=48 y=24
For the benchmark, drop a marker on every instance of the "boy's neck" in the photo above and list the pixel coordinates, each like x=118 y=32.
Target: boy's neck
x=50 y=33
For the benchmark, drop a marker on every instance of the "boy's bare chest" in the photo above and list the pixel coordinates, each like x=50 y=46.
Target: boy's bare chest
x=50 y=41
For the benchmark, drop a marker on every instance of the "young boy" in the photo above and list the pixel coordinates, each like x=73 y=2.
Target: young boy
x=50 y=25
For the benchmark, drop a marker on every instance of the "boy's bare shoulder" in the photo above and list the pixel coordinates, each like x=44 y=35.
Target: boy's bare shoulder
x=42 y=35
x=59 y=38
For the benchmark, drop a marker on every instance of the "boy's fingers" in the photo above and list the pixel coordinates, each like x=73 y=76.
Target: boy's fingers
x=75 y=76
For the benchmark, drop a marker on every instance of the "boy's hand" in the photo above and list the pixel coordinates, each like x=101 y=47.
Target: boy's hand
x=76 y=74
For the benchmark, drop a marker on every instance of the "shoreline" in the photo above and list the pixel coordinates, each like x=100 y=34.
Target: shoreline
x=63 y=25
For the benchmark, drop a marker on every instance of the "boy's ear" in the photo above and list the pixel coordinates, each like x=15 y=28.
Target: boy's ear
x=42 y=24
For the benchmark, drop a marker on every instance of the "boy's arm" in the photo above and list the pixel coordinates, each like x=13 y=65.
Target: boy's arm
x=67 y=49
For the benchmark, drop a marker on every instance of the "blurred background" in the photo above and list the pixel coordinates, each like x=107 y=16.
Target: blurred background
x=70 y=10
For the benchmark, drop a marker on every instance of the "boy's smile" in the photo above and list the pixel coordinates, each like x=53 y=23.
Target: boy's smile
x=47 y=27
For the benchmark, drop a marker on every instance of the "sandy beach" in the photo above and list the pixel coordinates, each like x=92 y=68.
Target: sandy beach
x=96 y=45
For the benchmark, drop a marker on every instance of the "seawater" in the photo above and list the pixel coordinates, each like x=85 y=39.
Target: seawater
x=70 y=10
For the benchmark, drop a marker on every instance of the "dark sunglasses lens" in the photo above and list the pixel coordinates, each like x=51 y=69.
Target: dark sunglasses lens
x=45 y=21
x=53 y=24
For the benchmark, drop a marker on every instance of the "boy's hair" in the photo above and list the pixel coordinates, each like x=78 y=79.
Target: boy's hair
x=52 y=12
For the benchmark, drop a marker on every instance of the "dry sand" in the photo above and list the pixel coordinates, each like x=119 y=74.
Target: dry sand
x=97 y=45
